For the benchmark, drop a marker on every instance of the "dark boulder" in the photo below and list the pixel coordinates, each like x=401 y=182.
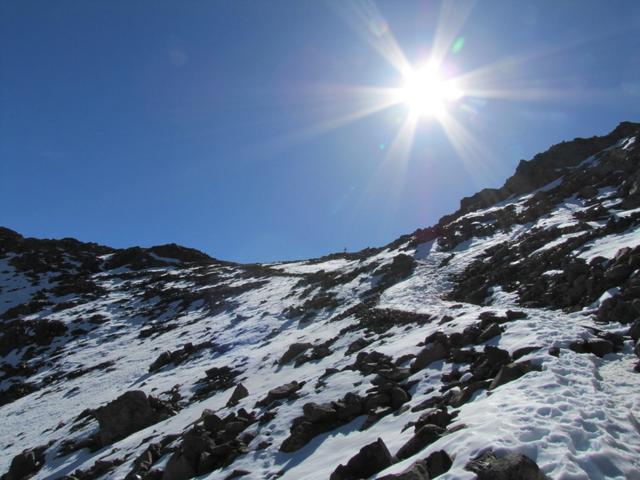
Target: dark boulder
x=493 y=330
x=293 y=351
x=288 y=391
x=425 y=436
x=438 y=463
x=369 y=460
x=429 y=354
x=512 y=371
x=237 y=474
x=615 y=309
x=178 y=468
x=417 y=471
x=399 y=397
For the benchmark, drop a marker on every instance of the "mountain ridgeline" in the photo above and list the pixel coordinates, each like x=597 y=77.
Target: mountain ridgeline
x=500 y=343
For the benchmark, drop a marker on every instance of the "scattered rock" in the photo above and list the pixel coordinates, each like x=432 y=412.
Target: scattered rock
x=489 y=362
x=317 y=352
x=237 y=474
x=142 y=465
x=317 y=419
x=434 y=416
x=372 y=362
x=217 y=379
x=98 y=469
x=17 y=390
x=178 y=356
x=216 y=446
x=634 y=330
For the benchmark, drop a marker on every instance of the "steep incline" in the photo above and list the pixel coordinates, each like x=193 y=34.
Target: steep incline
x=509 y=326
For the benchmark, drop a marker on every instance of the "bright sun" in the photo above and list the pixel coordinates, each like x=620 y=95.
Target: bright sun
x=427 y=93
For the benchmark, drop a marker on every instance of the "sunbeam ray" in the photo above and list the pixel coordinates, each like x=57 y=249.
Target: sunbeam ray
x=338 y=110
x=363 y=17
x=390 y=174
x=451 y=19
x=474 y=154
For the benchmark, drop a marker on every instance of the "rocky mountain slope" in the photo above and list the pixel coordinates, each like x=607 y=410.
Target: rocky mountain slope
x=499 y=343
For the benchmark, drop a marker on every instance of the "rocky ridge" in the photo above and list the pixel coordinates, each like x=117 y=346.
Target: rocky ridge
x=499 y=343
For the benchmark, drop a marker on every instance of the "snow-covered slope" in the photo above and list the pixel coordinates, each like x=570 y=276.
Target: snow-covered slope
x=509 y=326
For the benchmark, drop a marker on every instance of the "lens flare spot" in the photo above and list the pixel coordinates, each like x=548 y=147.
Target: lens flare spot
x=427 y=92
x=457 y=45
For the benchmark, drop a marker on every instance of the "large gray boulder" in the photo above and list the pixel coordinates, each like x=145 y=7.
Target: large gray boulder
x=513 y=466
x=130 y=412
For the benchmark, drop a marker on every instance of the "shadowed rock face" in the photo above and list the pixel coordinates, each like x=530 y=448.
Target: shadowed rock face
x=26 y=464
x=541 y=169
x=129 y=413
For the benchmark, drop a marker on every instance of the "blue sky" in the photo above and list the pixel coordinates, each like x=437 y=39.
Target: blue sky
x=214 y=124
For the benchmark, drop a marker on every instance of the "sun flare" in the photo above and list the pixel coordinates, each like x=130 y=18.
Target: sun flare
x=426 y=92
